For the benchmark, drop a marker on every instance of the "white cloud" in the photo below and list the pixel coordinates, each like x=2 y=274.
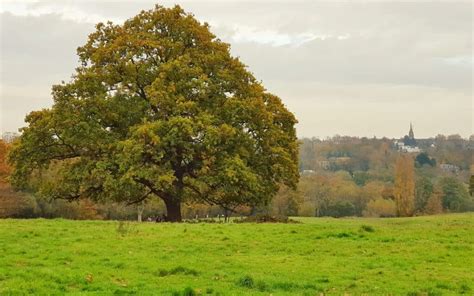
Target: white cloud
x=464 y=61
x=244 y=34
x=67 y=11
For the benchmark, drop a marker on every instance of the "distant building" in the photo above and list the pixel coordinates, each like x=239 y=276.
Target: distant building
x=408 y=144
x=449 y=168
x=324 y=164
x=307 y=172
x=340 y=160
x=409 y=140
x=398 y=144
x=409 y=149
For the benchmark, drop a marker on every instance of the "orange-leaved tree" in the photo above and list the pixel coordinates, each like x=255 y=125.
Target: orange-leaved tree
x=4 y=167
x=404 y=190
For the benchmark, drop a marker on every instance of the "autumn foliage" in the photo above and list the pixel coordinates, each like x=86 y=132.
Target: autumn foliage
x=5 y=168
x=404 y=189
x=159 y=109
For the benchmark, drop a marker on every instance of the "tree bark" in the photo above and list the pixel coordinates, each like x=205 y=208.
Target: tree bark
x=140 y=209
x=226 y=215
x=173 y=210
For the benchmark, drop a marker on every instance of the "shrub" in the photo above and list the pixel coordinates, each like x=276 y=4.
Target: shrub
x=16 y=205
x=434 y=204
x=340 y=209
x=307 y=209
x=455 y=196
x=381 y=208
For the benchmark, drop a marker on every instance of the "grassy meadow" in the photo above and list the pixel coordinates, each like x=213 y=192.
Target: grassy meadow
x=432 y=255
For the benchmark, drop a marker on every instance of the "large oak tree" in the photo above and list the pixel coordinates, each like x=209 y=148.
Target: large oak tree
x=159 y=108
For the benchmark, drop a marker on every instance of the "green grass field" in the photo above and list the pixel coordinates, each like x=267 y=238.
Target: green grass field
x=407 y=256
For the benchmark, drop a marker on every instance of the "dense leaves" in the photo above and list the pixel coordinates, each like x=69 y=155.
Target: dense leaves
x=455 y=196
x=404 y=190
x=423 y=159
x=4 y=167
x=159 y=108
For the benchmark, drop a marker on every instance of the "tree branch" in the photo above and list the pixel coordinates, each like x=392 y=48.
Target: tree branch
x=142 y=198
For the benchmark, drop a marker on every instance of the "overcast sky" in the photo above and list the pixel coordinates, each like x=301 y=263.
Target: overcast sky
x=354 y=68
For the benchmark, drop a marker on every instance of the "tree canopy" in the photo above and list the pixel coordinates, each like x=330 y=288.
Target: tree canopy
x=159 y=108
x=455 y=195
x=424 y=159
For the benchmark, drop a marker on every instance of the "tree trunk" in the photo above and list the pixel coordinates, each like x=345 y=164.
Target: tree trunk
x=173 y=210
x=140 y=209
x=226 y=215
x=139 y=218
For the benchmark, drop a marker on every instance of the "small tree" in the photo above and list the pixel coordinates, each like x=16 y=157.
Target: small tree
x=455 y=196
x=423 y=159
x=158 y=108
x=404 y=190
x=423 y=192
x=286 y=202
x=434 y=204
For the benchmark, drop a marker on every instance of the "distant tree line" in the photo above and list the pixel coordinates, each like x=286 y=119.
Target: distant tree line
x=368 y=177
x=372 y=172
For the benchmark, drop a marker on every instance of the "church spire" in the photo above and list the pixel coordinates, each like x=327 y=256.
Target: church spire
x=411 y=135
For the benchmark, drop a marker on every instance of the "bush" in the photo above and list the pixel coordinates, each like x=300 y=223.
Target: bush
x=434 y=204
x=455 y=195
x=423 y=159
x=307 y=209
x=340 y=209
x=361 y=178
x=381 y=208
